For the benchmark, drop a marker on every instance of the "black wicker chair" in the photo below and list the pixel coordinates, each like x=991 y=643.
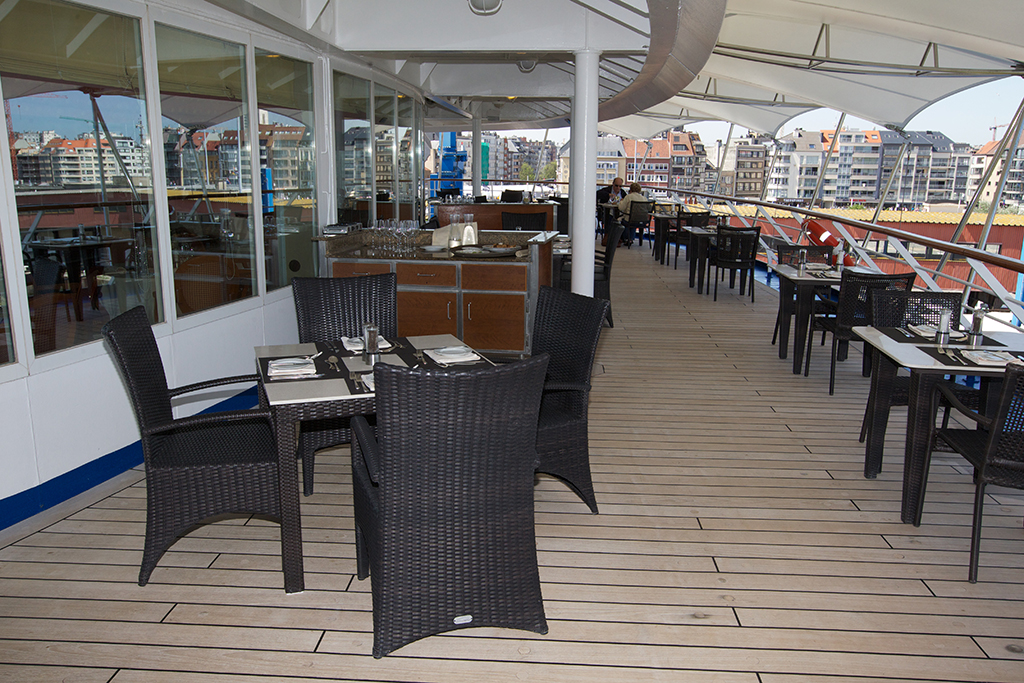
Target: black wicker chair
x=603 y=270
x=196 y=467
x=788 y=255
x=638 y=221
x=443 y=500
x=327 y=309
x=676 y=234
x=852 y=310
x=534 y=222
x=735 y=250
x=996 y=451
x=899 y=309
x=567 y=328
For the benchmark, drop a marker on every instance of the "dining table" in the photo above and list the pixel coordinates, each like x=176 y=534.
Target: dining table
x=339 y=383
x=796 y=301
x=928 y=362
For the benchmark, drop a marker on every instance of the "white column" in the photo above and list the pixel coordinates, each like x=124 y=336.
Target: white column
x=583 y=170
x=477 y=160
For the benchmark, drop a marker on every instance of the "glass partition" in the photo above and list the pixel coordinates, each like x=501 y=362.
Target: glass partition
x=353 y=154
x=207 y=157
x=6 y=338
x=72 y=80
x=284 y=91
x=405 y=134
x=384 y=147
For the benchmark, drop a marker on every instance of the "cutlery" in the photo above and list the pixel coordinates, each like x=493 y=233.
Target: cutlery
x=952 y=355
x=357 y=377
x=332 y=363
x=905 y=332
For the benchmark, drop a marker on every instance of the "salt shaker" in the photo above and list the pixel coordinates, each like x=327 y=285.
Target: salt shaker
x=370 y=338
x=978 y=317
x=942 y=333
x=801 y=261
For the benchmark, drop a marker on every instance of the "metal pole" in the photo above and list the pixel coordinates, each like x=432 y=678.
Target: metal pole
x=1003 y=175
x=478 y=162
x=828 y=157
x=721 y=160
x=981 y=185
x=583 y=176
x=892 y=174
x=771 y=167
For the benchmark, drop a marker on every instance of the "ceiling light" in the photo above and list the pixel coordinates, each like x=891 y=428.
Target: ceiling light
x=484 y=7
x=526 y=65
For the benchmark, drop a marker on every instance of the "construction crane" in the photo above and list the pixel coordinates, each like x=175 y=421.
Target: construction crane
x=995 y=128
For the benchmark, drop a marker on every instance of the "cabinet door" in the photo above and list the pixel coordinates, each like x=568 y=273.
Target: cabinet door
x=494 y=321
x=427 y=313
x=350 y=269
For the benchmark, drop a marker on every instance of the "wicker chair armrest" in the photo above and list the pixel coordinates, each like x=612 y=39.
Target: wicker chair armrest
x=949 y=395
x=366 y=441
x=567 y=386
x=209 y=418
x=220 y=381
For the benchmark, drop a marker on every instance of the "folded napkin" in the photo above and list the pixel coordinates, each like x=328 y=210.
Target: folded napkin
x=452 y=354
x=368 y=381
x=981 y=357
x=291 y=367
x=356 y=343
x=925 y=330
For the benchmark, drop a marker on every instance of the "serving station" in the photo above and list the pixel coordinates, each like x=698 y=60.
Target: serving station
x=483 y=294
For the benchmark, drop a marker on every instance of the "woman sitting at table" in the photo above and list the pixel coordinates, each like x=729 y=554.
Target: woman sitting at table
x=634 y=195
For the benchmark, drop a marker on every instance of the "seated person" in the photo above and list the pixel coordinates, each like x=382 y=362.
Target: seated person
x=608 y=195
x=634 y=195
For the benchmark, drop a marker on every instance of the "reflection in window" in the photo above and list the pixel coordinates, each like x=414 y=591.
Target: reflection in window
x=207 y=157
x=384 y=145
x=6 y=340
x=72 y=79
x=284 y=91
x=406 y=133
x=353 y=154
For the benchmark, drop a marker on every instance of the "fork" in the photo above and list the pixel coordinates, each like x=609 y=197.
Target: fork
x=357 y=377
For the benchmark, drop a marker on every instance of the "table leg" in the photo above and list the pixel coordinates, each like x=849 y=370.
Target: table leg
x=877 y=415
x=804 y=310
x=695 y=259
x=787 y=294
x=917 y=452
x=702 y=259
x=285 y=419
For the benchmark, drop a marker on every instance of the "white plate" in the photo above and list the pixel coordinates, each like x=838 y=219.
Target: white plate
x=433 y=249
x=454 y=351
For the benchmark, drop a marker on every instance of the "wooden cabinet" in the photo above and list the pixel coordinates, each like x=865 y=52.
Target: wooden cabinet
x=353 y=269
x=419 y=274
x=428 y=313
x=494 y=321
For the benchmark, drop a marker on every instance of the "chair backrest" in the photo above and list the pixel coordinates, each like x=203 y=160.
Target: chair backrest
x=131 y=340
x=737 y=247
x=534 y=222
x=567 y=327
x=1004 y=456
x=511 y=196
x=45 y=275
x=640 y=212
x=469 y=433
x=614 y=233
x=853 y=307
x=329 y=308
x=900 y=308
x=788 y=254
x=696 y=219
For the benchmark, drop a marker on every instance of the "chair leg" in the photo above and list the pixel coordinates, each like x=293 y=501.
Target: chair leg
x=810 y=345
x=832 y=370
x=716 y=283
x=979 y=506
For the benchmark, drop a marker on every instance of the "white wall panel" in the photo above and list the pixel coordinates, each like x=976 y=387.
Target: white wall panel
x=17 y=455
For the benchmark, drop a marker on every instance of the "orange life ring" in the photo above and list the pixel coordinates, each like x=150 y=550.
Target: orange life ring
x=818 y=233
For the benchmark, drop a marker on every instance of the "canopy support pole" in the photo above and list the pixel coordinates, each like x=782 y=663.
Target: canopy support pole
x=584 y=169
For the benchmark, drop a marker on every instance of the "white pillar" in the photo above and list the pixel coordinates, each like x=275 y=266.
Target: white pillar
x=583 y=170
x=477 y=160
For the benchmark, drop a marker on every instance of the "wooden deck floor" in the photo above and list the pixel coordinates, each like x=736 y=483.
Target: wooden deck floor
x=737 y=542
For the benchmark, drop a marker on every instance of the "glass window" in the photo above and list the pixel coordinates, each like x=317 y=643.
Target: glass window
x=284 y=91
x=384 y=145
x=207 y=157
x=353 y=154
x=6 y=340
x=82 y=167
x=407 y=133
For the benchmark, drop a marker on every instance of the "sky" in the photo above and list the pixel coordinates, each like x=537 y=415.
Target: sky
x=964 y=117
